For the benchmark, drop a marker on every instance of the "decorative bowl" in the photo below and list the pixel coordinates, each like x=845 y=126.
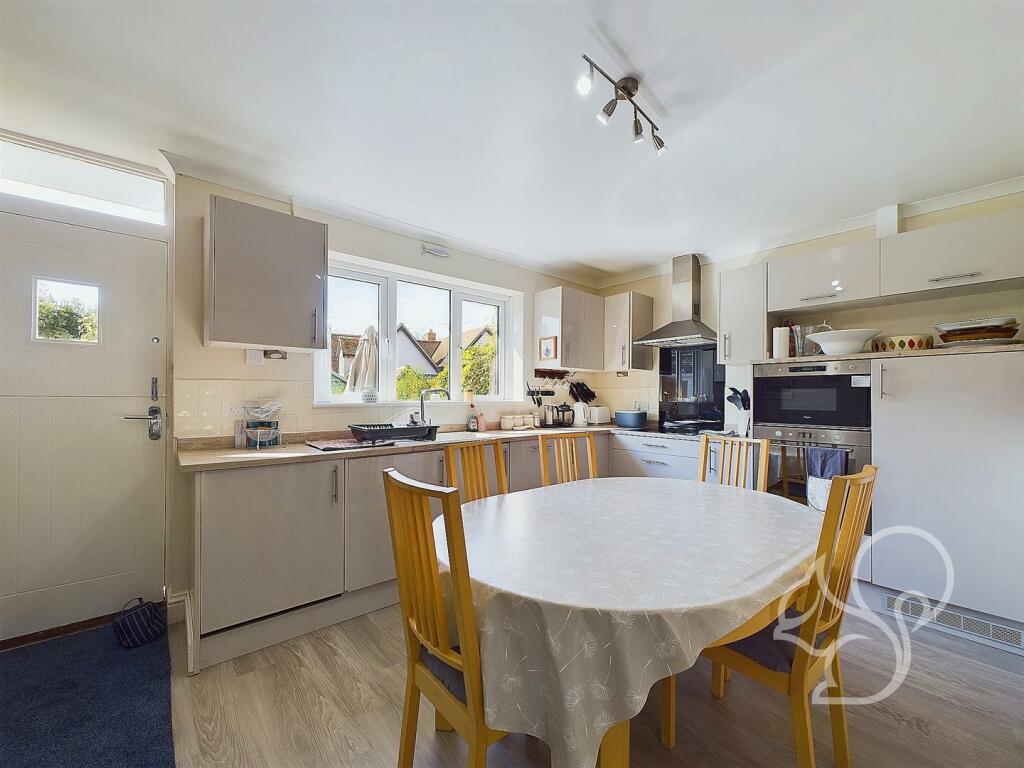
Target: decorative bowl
x=846 y=342
x=910 y=343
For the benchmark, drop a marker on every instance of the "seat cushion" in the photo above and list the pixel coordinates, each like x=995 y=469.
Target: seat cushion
x=449 y=676
x=766 y=650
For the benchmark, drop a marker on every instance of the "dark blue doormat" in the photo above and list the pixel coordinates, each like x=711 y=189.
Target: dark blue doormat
x=84 y=701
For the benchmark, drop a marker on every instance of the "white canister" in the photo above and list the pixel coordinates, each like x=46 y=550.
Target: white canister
x=780 y=342
x=508 y=422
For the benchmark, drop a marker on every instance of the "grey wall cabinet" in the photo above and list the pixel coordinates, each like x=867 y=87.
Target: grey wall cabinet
x=265 y=278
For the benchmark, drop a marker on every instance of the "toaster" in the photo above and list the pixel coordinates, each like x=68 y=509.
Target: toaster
x=599 y=414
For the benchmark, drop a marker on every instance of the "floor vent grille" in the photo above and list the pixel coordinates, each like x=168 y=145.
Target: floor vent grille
x=974 y=626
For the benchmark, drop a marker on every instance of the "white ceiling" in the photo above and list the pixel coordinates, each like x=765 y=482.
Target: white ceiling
x=462 y=119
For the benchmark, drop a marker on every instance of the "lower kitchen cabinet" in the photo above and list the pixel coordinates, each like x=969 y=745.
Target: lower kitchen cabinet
x=646 y=455
x=268 y=539
x=368 y=556
x=524 y=461
x=946 y=436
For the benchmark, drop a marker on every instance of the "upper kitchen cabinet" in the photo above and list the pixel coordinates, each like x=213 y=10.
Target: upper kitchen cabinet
x=575 y=320
x=742 y=326
x=841 y=274
x=978 y=250
x=265 y=276
x=627 y=317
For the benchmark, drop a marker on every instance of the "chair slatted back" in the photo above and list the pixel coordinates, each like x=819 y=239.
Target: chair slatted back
x=419 y=580
x=735 y=458
x=472 y=457
x=842 y=529
x=565 y=456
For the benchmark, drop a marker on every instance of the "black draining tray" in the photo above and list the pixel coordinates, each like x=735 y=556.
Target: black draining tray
x=374 y=432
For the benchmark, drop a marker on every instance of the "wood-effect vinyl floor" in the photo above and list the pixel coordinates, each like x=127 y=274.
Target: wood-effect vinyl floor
x=333 y=698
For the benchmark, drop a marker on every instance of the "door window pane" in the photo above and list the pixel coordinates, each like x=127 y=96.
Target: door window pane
x=54 y=178
x=480 y=348
x=422 y=343
x=353 y=324
x=66 y=311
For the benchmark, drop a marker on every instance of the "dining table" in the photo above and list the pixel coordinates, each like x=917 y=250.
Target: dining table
x=588 y=593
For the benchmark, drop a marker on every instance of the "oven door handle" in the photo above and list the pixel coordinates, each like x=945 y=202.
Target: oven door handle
x=777 y=443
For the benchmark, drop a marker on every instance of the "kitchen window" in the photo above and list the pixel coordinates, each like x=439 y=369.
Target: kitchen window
x=393 y=334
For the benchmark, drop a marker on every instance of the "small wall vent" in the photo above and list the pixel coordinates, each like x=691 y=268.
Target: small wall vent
x=974 y=626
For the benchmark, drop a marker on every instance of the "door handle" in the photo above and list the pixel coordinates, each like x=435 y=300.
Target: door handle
x=820 y=296
x=623 y=355
x=155 y=419
x=725 y=351
x=334 y=495
x=316 y=326
x=946 y=278
x=654 y=461
x=881 y=382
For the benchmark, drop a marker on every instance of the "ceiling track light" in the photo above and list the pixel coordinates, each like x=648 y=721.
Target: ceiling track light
x=625 y=89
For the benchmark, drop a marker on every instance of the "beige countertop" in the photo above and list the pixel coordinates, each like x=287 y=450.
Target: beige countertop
x=881 y=355
x=202 y=460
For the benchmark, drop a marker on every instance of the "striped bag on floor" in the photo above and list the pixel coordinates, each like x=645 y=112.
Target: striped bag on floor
x=139 y=624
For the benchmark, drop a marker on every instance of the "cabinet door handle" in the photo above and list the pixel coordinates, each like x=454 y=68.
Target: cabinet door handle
x=881 y=382
x=947 y=278
x=725 y=350
x=655 y=461
x=334 y=496
x=820 y=296
x=623 y=355
x=316 y=326
x=655 y=445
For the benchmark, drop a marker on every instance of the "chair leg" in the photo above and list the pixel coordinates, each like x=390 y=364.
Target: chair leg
x=837 y=712
x=477 y=753
x=802 y=732
x=668 y=712
x=410 y=718
x=718 y=680
x=615 y=747
x=440 y=724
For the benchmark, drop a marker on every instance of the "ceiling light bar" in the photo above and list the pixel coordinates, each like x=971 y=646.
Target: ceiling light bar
x=625 y=89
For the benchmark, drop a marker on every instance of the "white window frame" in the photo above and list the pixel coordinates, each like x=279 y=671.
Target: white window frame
x=387 y=278
x=34 y=336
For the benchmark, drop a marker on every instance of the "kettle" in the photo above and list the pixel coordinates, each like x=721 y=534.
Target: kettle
x=581 y=414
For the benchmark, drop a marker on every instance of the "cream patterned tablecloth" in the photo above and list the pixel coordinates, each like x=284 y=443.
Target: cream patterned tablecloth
x=588 y=593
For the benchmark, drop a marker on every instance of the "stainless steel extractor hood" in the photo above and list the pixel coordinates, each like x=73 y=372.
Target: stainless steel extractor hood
x=686 y=329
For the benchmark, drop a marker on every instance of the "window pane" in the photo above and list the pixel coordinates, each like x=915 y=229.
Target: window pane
x=67 y=311
x=54 y=178
x=480 y=348
x=353 y=323
x=424 y=317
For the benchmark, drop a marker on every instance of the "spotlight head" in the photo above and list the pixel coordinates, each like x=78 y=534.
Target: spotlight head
x=606 y=112
x=638 y=129
x=659 y=145
x=585 y=82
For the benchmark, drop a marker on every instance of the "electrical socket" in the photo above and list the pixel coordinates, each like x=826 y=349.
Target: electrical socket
x=640 y=405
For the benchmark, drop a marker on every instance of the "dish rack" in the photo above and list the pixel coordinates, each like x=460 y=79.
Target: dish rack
x=374 y=432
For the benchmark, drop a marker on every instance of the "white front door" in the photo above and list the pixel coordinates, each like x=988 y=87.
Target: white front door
x=83 y=322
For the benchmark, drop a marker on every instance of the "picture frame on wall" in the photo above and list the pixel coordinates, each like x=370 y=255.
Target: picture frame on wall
x=547 y=348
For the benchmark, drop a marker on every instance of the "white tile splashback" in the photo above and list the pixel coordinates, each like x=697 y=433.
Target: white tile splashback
x=210 y=407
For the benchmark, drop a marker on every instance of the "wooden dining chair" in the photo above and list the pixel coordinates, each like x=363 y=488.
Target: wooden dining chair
x=447 y=674
x=565 y=456
x=734 y=461
x=472 y=458
x=795 y=668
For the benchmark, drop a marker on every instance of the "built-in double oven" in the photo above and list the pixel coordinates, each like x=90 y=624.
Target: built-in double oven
x=797 y=405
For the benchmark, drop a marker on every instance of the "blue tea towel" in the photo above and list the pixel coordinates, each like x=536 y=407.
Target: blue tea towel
x=825 y=463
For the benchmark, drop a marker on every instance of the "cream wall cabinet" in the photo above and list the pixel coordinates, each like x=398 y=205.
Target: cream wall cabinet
x=576 y=319
x=265 y=278
x=627 y=317
x=269 y=539
x=742 y=325
x=841 y=274
x=979 y=250
x=958 y=481
x=368 y=556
